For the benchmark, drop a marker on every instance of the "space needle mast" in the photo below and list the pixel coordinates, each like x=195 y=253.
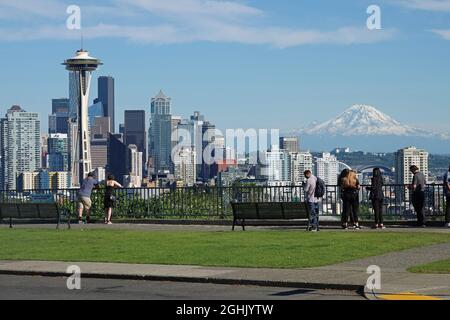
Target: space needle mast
x=81 y=67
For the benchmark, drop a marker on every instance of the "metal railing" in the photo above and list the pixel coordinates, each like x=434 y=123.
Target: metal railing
x=215 y=202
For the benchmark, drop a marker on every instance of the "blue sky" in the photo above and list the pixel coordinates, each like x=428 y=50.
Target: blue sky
x=263 y=64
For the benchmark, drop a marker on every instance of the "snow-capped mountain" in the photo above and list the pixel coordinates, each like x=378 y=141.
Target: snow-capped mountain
x=363 y=120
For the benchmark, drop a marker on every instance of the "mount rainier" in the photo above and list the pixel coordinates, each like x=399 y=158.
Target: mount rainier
x=365 y=128
x=365 y=120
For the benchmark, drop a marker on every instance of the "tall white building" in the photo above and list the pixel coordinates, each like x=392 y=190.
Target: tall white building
x=300 y=162
x=44 y=180
x=185 y=168
x=59 y=180
x=404 y=158
x=20 y=145
x=277 y=167
x=135 y=165
x=327 y=168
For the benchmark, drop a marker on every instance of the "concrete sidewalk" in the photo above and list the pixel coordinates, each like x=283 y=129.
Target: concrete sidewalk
x=397 y=283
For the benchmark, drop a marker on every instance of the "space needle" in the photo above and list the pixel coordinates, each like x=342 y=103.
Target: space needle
x=81 y=67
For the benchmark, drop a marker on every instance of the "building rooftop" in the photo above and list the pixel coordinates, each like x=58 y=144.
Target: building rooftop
x=161 y=95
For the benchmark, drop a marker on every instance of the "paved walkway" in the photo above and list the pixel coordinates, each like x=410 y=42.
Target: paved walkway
x=352 y=275
x=396 y=281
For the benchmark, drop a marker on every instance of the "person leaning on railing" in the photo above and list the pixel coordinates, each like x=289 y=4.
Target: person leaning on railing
x=84 y=197
x=351 y=187
x=447 y=197
x=110 y=200
x=377 y=198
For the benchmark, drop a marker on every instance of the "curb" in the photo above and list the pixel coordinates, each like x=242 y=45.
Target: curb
x=260 y=283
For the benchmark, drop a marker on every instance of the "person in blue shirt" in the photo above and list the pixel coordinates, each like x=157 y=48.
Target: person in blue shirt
x=84 y=197
x=447 y=197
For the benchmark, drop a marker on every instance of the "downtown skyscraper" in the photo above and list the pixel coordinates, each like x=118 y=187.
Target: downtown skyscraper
x=19 y=145
x=58 y=121
x=135 y=133
x=160 y=132
x=327 y=168
x=57 y=157
x=404 y=158
x=106 y=96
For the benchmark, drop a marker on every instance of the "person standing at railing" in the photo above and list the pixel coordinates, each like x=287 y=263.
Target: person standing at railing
x=350 y=188
x=344 y=216
x=447 y=197
x=377 y=198
x=311 y=200
x=84 y=197
x=418 y=194
x=110 y=199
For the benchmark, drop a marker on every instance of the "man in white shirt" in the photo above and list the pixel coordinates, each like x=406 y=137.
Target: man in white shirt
x=311 y=200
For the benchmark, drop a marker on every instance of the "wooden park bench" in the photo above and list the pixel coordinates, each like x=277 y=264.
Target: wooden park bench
x=269 y=211
x=30 y=211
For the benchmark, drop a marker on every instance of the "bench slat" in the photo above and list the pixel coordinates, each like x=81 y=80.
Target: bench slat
x=48 y=211
x=270 y=210
x=245 y=210
x=295 y=210
x=28 y=210
x=9 y=210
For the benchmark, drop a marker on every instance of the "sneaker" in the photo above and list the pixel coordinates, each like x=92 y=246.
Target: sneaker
x=80 y=221
x=448 y=225
x=357 y=227
x=375 y=227
x=382 y=227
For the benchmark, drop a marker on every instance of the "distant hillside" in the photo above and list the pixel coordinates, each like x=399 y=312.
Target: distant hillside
x=438 y=164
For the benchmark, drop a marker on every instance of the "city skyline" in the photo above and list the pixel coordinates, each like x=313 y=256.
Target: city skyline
x=231 y=79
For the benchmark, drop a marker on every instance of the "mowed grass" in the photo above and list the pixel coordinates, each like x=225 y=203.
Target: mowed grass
x=271 y=249
x=435 y=267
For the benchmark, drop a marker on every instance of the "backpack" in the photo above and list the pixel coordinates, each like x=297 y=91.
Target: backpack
x=320 y=188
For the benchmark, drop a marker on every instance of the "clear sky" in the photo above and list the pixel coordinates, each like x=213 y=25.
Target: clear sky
x=251 y=63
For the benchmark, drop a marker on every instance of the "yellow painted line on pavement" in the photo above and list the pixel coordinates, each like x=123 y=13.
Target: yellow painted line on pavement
x=407 y=296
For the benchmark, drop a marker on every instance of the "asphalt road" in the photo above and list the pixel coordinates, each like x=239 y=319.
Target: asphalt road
x=50 y=288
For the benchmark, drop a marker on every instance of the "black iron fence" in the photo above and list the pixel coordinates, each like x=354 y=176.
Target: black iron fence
x=214 y=202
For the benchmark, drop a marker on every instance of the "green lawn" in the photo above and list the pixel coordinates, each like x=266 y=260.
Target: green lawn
x=276 y=249
x=435 y=267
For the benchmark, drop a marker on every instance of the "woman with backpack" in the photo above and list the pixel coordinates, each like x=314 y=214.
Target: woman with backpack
x=110 y=199
x=350 y=188
x=377 y=198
